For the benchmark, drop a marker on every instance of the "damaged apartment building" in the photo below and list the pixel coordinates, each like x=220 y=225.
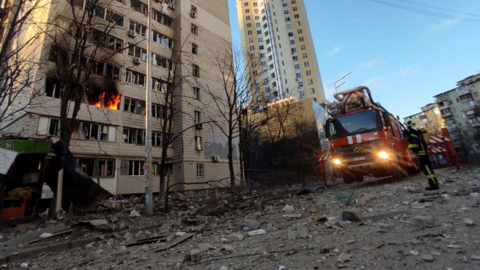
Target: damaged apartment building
x=109 y=143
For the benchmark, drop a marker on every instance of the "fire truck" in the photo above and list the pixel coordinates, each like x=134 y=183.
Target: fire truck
x=365 y=139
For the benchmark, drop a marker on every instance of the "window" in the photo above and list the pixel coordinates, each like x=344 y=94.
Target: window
x=139 y=6
x=135 y=78
x=134 y=106
x=295 y=58
x=133 y=136
x=249 y=25
x=160 y=61
x=295 y=8
x=261 y=47
x=292 y=42
x=196 y=70
x=245 y=4
x=194 y=48
x=294 y=50
x=104 y=168
x=48 y=126
x=287 y=19
x=310 y=82
x=306 y=64
x=308 y=72
x=159 y=111
x=109 y=15
x=257 y=17
x=260 y=39
x=110 y=42
x=247 y=10
x=259 y=32
x=302 y=94
x=163 y=40
x=299 y=75
x=250 y=40
x=200 y=170
x=198 y=143
x=156 y=139
x=301 y=39
x=312 y=91
x=160 y=85
x=198 y=117
x=296 y=16
x=194 y=29
x=162 y=18
x=96 y=132
x=53 y=88
x=136 y=51
x=139 y=28
x=305 y=55
x=193 y=11
x=256 y=25
x=303 y=47
x=196 y=93
x=475 y=94
x=290 y=34
x=297 y=67
x=249 y=32
x=131 y=167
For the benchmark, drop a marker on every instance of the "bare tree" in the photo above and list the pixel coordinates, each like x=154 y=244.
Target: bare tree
x=240 y=83
x=18 y=56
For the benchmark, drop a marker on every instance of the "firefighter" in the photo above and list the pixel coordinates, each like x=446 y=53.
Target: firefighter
x=418 y=143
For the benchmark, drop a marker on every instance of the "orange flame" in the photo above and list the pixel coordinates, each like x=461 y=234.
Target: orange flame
x=110 y=103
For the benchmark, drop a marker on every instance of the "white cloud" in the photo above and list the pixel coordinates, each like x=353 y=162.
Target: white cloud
x=446 y=24
x=373 y=82
x=406 y=71
x=334 y=51
x=369 y=64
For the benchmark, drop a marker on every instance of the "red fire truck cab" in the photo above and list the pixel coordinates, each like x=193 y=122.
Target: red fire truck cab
x=365 y=139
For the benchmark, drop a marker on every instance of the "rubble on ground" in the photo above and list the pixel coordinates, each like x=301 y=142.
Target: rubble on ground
x=386 y=225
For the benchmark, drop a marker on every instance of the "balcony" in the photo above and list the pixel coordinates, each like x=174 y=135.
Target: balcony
x=476 y=125
x=446 y=114
x=469 y=105
x=442 y=105
x=471 y=114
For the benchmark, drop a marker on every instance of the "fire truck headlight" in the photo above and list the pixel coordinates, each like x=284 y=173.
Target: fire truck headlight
x=337 y=161
x=383 y=155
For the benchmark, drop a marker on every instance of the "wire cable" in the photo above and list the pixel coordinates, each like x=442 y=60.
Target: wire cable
x=439 y=8
x=425 y=12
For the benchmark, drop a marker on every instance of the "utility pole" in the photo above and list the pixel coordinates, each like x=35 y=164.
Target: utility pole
x=148 y=112
x=338 y=86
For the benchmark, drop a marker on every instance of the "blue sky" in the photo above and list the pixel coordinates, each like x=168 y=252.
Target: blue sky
x=405 y=58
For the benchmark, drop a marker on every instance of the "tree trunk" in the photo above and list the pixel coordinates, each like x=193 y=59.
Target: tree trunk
x=230 y=160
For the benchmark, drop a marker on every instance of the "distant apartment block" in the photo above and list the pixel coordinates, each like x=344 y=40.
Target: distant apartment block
x=429 y=119
x=277 y=33
x=460 y=109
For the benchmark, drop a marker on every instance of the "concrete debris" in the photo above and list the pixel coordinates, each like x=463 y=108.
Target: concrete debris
x=135 y=213
x=427 y=258
x=288 y=209
x=423 y=222
x=257 y=232
x=343 y=258
x=216 y=229
x=468 y=222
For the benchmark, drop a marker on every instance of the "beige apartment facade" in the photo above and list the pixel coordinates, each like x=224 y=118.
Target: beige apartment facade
x=110 y=141
x=277 y=33
x=460 y=109
x=429 y=119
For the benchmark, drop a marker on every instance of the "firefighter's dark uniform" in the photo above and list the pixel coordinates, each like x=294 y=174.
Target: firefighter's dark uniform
x=418 y=145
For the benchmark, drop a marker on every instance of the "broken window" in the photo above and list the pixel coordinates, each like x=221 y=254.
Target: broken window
x=162 y=18
x=131 y=167
x=53 y=88
x=197 y=116
x=104 y=168
x=138 y=28
x=135 y=78
x=156 y=139
x=48 y=126
x=159 y=111
x=160 y=61
x=93 y=131
x=135 y=106
x=134 y=136
x=139 y=6
x=163 y=40
x=110 y=15
x=194 y=48
x=136 y=51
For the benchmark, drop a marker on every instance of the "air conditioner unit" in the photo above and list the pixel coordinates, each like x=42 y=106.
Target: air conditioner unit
x=199 y=126
x=193 y=14
x=132 y=33
x=137 y=60
x=216 y=158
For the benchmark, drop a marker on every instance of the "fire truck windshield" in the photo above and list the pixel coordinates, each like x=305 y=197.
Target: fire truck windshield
x=353 y=124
